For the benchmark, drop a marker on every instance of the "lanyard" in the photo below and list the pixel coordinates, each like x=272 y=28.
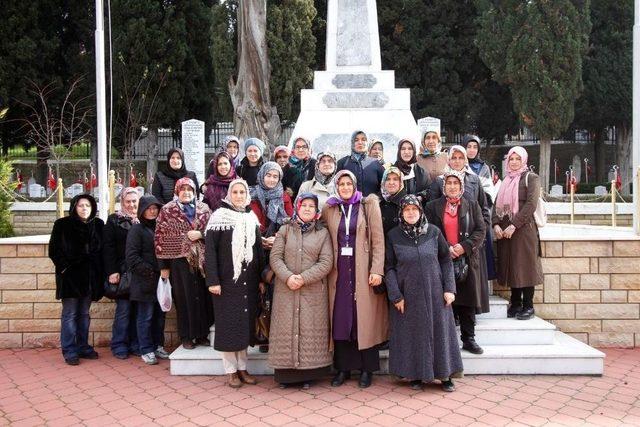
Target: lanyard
x=347 y=221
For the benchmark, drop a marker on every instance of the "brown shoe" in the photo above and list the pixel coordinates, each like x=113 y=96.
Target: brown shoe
x=188 y=344
x=246 y=378
x=234 y=381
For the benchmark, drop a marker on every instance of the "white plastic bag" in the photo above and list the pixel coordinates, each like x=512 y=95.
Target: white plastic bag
x=164 y=294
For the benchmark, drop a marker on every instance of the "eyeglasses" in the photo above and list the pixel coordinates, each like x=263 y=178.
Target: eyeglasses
x=301 y=147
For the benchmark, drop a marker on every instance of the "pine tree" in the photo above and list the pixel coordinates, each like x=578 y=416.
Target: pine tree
x=536 y=48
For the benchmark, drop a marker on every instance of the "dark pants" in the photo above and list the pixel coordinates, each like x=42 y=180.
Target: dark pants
x=522 y=297
x=74 y=328
x=467 y=317
x=347 y=357
x=150 y=326
x=124 y=339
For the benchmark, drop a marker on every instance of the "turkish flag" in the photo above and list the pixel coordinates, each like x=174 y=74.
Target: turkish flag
x=133 y=182
x=51 y=180
x=618 y=182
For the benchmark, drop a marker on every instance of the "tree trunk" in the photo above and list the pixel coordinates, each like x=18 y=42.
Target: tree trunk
x=624 y=158
x=152 y=156
x=545 y=159
x=599 y=153
x=42 y=170
x=254 y=116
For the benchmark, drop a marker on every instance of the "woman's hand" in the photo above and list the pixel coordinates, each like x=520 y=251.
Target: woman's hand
x=453 y=253
x=508 y=232
x=164 y=273
x=374 y=279
x=295 y=282
x=400 y=306
x=194 y=235
x=449 y=298
x=262 y=288
x=114 y=278
x=215 y=289
x=497 y=230
x=267 y=242
x=458 y=250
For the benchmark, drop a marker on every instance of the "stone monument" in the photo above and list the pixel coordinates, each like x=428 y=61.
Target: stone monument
x=354 y=93
x=193 y=147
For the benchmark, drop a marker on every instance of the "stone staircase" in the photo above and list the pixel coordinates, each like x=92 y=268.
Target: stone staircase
x=511 y=347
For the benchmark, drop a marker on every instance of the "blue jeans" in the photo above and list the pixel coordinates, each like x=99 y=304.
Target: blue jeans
x=124 y=339
x=150 y=324
x=74 y=327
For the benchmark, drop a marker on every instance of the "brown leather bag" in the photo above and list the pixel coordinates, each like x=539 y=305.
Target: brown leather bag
x=263 y=319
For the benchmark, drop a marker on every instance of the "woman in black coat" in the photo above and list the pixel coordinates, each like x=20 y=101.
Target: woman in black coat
x=164 y=181
x=75 y=248
x=391 y=193
x=234 y=261
x=145 y=272
x=123 y=330
x=416 y=179
x=461 y=223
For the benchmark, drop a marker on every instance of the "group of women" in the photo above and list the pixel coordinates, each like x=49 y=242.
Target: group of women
x=353 y=254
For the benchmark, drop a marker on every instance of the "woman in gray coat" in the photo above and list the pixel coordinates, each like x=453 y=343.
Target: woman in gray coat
x=419 y=275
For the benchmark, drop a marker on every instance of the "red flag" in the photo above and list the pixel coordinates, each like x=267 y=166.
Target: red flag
x=574 y=184
x=618 y=182
x=496 y=177
x=94 y=180
x=51 y=180
x=133 y=182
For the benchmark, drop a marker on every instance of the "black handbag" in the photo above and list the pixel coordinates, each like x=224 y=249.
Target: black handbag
x=263 y=320
x=118 y=290
x=461 y=264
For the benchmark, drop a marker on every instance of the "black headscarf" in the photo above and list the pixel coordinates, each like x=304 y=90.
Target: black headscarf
x=405 y=167
x=173 y=173
x=476 y=163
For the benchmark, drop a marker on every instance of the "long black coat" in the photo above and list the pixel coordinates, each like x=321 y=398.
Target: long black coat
x=141 y=256
x=420 y=184
x=474 y=292
x=75 y=247
x=292 y=180
x=423 y=342
x=368 y=173
x=236 y=307
x=472 y=191
x=163 y=186
x=389 y=209
x=114 y=243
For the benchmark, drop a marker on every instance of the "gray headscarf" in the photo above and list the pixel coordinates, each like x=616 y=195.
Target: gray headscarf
x=270 y=198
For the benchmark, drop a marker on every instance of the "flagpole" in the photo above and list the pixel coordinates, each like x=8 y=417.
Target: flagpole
x=635 y=148
x=101 y=112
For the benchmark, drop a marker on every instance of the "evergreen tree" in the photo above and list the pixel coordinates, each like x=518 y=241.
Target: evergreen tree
x=536 y=47
x=224 y=42
x=607 y=70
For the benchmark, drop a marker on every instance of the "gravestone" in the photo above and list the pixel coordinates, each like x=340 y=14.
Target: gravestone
x=556 y=191
x=74 y=189
x=140 y=191
x=429 y=124
x=36 y=190
x=600 y=190
x=577 y=168
x=354 y=93
x=193 y=147
x=118 y=189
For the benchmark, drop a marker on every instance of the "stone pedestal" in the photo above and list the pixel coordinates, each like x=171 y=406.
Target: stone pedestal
x=354 y=93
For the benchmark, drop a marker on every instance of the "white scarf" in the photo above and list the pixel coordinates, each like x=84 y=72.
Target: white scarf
x=243 y=238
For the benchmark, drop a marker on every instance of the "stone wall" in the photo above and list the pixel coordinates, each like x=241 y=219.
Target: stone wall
x=591 y=290
x=29 y=312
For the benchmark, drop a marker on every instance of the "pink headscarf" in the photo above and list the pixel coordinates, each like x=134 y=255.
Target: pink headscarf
x=123 y=212
x=508 y=194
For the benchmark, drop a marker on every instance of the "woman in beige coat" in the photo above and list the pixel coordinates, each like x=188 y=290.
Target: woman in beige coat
x=301 y=258
x=357 y=303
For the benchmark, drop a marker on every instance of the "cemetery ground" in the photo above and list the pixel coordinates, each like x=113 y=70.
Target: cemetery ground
x=37 y=388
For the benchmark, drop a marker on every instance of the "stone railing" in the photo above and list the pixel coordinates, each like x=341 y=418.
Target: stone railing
x=591 y=290
x=29 y=312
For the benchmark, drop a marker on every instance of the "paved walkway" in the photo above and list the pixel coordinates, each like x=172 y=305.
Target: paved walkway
x=37 y=388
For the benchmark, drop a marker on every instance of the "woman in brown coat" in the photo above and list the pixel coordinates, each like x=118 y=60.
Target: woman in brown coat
x=519 y=265
x=432 y=159
x=301 y=259
x=358 y=310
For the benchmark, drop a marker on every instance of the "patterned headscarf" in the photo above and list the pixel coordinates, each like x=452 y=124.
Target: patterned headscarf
x=123 y=212
x=453 y=202
x=319 y=176
x=508 y=193
x=335 y=198
x=425 y=151
x=189 y=208
x=420 y=227
x=217 y=185
x=305 y=226
x=392 y=170
x=270 y=198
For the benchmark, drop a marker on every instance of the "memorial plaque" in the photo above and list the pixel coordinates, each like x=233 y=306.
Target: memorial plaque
x=193 y=147
x=600 y=190
x=429 y=124
x=557 y=191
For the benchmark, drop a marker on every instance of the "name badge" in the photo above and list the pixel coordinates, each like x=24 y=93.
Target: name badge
x=347 y=251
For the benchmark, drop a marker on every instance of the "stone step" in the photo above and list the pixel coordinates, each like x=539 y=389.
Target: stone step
x=508 y=332
x=498 y=309
x=565 y=356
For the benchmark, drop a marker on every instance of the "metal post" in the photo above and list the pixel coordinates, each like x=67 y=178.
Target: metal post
x=101 y=111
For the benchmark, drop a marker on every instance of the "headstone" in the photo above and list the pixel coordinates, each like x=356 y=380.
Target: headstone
x=577 y=168
x=193 y=147
x=556 y=191
x=75 y=189
x=118 y=189
x=429 y=124
x=600 y=190
x=140 y=191
x=35 y=190
x=354 y=93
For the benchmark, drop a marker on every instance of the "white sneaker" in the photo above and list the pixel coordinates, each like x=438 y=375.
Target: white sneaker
x=149 y=359
x=161 y=353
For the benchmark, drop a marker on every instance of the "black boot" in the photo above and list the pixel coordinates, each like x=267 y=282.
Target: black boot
x=448 y=386
x=365 y=379
x=340 y=378
x=416 y=385
x=526 y=314
x=472 y=346
x=513 y=310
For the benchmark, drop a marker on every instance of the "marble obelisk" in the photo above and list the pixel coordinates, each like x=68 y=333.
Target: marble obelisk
x=354 y=93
